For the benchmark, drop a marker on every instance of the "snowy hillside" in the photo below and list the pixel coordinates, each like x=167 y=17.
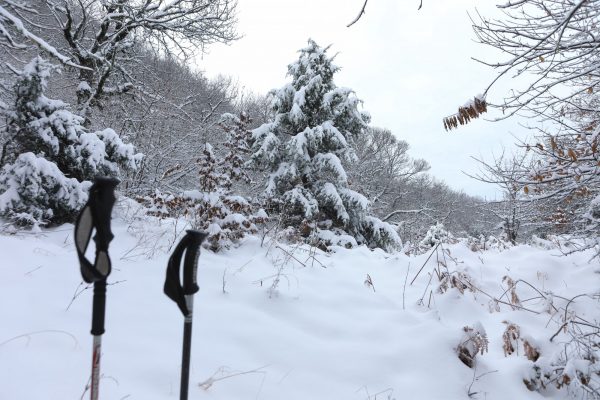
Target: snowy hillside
x=287 y=322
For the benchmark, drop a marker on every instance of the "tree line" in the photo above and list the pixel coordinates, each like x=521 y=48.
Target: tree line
x=90 y=87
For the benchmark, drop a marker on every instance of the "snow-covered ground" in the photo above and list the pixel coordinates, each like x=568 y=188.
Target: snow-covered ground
x=319 y=333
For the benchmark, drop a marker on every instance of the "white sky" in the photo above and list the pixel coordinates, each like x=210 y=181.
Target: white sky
x=411 y=68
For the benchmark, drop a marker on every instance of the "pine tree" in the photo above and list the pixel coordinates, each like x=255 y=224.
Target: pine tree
x=210 y=178
x=236 y=143
x=305 y=145
x=226 y=217
x=48 y=156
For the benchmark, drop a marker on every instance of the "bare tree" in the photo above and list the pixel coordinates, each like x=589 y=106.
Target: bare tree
x=362 y=12
x=517 y=210
x=15 y=18
x=106 y=37
x=383 y=164
x=550 y=46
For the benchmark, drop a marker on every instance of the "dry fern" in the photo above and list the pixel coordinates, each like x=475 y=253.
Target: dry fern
x=493 y=306
x=475 y=341
x=512 y=288
x=531 y=352
x=510 y=338
x=369 y=282
x=458 y=280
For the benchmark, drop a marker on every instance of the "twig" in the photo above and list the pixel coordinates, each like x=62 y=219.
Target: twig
x=290 y=255
x=425 y=263
x=476 y=378
x=498 y=300
x=404 y=288
x=77 y=293
x=369 y=282
x=212 y=380
x=28 y=336
x=360 y=14
x=28 y=273
x=559 y=329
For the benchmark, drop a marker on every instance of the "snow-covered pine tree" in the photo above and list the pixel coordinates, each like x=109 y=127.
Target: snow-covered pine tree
x=48 y=157
x=236 y=143
x=304 y=147
x=226 y=217
x=211 y=179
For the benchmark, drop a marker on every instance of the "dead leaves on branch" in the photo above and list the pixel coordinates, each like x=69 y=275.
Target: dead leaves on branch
x=472 y=110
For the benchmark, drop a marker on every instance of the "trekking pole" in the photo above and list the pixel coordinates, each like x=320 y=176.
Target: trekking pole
x=183 y=294
x=96 y=215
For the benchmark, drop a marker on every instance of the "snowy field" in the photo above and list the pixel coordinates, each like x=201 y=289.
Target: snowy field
x=275 y=321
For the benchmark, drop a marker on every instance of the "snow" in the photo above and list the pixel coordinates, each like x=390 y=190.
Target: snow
x=336 y=239
x=323 y=162
x=321 y=333
x=382 y=230
x=331 y=198
x=234 y=218
x=301 y=197
x=262 y=214
x=350 y=196
x=84 y=87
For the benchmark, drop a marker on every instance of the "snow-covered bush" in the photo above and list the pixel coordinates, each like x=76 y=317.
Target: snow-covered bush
x=226 y=218
x=213 y=207
x=497 y=243
x=36 y=191
x=325 y=238
x=575 y=370
x=574 y=364
x=550 y=242
x=435 y=235
x=304 y=148
x=47 y=152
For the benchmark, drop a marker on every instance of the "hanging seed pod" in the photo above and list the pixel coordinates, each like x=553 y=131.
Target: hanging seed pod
x=466 y=113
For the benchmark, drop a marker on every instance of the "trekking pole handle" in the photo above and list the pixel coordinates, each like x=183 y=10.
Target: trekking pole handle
x=178 y=285
x=102 y=200
x=190 y=263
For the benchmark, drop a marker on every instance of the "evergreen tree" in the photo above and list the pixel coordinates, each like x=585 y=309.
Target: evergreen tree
x=210 y=178
x=304 y=147
x=236 y=143
x=49 y=157
x=226 y=217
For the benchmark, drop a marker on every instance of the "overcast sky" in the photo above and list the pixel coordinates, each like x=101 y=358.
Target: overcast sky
x=411 y=68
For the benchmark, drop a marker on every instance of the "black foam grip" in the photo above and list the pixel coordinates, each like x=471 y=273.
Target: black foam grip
x=99 y=307
x=102 y=200
x=190 y=263
x=173 y=287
